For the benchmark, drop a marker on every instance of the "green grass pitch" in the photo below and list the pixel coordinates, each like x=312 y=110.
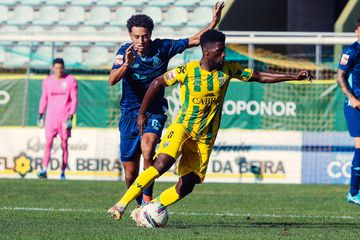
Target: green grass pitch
x=45 y=209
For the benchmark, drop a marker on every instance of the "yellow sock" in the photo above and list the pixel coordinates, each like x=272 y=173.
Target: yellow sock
x=141 y=182
x=168 y=197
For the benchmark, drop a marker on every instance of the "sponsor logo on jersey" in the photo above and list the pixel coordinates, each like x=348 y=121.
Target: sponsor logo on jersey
x=344 y=59
x=119 y=59
x=170 y=75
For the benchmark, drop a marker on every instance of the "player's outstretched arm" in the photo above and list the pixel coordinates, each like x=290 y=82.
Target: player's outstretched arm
x=157 y=84
x=264 y=77
x=340 y=79
x=195 y=40
x=117 y=74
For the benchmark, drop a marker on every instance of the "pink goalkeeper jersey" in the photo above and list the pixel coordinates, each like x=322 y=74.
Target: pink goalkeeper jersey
x=59 y=98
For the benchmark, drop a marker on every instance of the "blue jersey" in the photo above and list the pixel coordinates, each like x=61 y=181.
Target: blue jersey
x=350 y=63
x=143 y=71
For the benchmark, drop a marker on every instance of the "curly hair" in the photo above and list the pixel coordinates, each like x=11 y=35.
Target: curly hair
x=140 y=20
x=211 y=36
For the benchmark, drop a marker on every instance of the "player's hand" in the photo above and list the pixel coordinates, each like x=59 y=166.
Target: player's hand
x=68 y=123
x=355 y=103
x=40 y=121
x=217 y=11
x=141 y=121
x=130 y=56
x=304 y=75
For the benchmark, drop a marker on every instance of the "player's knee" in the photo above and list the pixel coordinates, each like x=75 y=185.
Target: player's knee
x=163 y=163
x=186 y=184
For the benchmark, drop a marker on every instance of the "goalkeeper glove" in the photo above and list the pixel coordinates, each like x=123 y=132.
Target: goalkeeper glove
x=68 y=123
x=40 y=121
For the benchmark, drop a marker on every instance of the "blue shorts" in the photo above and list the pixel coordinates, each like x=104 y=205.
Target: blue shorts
x=129 y=133
x=352 y=116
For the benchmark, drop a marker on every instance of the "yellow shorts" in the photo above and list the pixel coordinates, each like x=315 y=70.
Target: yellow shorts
x=194 y=155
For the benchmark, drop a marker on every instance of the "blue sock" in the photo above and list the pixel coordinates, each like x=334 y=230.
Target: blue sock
x=355 y=173
x=139 y=199
x=149 y=190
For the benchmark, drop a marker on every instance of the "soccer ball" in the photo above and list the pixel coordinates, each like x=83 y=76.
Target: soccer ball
x=154 y=215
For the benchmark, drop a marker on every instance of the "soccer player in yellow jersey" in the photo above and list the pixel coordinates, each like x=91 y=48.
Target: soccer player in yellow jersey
x=203 y=86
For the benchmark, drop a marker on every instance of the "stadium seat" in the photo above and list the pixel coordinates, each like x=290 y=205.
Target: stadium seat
x=57 y=2
x=31 y=2
x=73 y=57
x=160 y=3
x=154 y=12
x=34 y=30
x=4 y=14
x=73 y=16
x=59 y=30
x=83 y=3
x=133 y=3
x=8 y=2
x=109 y=3
x=8 y=29
x=2 y=55
x=17 y=57
x=115 y=32
x=122 y=14
x=205 y=19
x=163 y=31
x=208 y=3
x=84 y=30
x=189 y=31
x=42 y=57
x=97 y=57
x=48 y=15
x=22 y=15
x=186 y=3
x=98 y=16
x=181 y=17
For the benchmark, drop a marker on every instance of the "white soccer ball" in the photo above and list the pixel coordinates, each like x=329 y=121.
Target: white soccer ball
x=154 y=215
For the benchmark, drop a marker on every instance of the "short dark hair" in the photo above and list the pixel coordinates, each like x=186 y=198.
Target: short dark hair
x=140 y=20
x=357 y=23
x=211 y=36
x=58 y=60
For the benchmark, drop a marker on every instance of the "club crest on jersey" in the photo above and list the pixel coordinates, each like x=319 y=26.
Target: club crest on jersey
x=156 y=61
x=222 y=81
x=119 y=59
x=64 y=85
x=344 y=59
x=165 y=144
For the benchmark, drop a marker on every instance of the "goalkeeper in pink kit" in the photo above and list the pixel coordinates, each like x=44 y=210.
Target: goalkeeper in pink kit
x=59 y=99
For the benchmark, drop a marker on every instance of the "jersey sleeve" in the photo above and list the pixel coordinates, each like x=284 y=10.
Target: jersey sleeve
x=176 y=75
x=73 y=97
x=175 y=46
x=346 y=60
x=120 y=57
x=44 y=97
x=240 y=72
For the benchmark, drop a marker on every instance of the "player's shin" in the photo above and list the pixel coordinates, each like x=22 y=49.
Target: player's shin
x=355 y=173
x=168 y=197
x=141 y=182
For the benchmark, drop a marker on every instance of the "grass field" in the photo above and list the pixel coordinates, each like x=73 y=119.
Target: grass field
x=45 y=209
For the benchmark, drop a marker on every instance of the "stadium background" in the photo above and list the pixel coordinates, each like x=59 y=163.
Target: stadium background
x=284 y=133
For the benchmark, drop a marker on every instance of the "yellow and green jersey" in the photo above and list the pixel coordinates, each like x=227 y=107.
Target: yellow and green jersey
x=202 y=94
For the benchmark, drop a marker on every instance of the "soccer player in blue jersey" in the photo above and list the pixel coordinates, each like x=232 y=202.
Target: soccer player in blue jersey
x=348 y=78
x=137 y=64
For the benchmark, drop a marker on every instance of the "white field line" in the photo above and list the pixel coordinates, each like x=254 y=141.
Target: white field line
x=186 y=213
